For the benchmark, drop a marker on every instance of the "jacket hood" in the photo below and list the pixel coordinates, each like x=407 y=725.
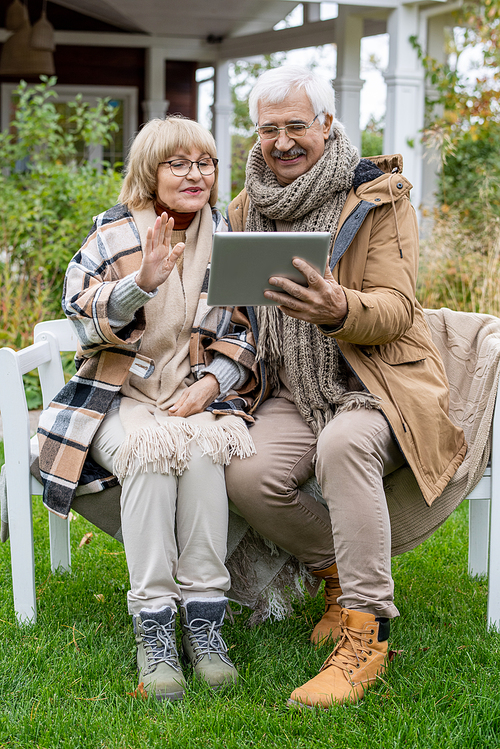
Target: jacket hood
x=378 y=180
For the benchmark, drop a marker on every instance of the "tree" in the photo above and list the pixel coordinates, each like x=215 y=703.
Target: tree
x=464 y=114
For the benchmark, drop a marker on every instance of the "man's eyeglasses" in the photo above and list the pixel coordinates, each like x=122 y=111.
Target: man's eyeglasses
x=182 y=167
x=294 y=130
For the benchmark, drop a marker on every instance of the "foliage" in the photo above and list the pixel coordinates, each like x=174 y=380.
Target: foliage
x=464 y=113
x=49 y=195
x=470 y=178
x=372 y=138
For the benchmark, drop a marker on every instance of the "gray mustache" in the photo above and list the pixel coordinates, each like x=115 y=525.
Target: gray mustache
x=295 y=151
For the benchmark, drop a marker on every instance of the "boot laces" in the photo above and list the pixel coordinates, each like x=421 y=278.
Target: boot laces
x=350 y=651
x=159 y=643
x=206 y=639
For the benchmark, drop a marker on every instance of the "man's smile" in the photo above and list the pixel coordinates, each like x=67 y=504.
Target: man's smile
x=292 y=155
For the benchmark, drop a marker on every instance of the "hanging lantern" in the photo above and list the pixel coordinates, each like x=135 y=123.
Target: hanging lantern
x=29 y=50
x=19 y=58
x=42 y=35
x=16 y=16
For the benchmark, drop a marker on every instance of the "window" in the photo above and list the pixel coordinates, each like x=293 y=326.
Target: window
x=124 y=98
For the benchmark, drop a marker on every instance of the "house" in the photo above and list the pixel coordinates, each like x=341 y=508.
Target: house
x=145 y=55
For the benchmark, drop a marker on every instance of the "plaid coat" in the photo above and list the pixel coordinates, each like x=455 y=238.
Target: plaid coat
x=104 y=358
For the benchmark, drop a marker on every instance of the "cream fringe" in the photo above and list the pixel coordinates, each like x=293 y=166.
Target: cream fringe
x=276 y=600
x=166 y=449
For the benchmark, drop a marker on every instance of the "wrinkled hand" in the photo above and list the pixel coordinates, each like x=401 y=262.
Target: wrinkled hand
x=196 y=397
x=158 y=259
x=321 y=302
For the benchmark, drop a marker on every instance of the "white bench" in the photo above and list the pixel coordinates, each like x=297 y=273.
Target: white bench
x=50 y=338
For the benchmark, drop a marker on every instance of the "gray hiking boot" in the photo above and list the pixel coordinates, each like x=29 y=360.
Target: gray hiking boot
x=202 y=620
x=157 y=658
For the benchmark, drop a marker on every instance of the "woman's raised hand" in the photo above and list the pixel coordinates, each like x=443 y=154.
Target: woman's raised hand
x=158 y=259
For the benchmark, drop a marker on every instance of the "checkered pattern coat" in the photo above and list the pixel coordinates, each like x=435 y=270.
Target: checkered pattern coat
x=111 y=252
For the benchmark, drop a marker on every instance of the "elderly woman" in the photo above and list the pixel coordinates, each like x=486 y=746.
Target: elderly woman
x=140 y=281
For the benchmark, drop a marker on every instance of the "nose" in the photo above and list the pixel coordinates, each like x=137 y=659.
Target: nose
x=191 y=174
x=283 y=142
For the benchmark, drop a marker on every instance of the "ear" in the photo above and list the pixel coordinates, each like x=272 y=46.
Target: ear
x=327 y=125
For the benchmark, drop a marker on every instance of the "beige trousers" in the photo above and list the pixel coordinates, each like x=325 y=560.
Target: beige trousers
x=352 y=455
x=174 y=527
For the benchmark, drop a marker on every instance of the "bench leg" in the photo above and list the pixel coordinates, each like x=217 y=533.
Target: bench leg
x=494 y=562
x=479 y=534
x=22 y=556
x=60 y=552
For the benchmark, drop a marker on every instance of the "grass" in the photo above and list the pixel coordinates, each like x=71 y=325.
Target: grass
x=460 y=265
x=68 y=681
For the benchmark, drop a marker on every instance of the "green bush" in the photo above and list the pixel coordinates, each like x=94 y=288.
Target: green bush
x=49 y=195
x=372 y=138
x=470 y=178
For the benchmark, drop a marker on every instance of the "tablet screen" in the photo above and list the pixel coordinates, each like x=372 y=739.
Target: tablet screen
x=243 y=262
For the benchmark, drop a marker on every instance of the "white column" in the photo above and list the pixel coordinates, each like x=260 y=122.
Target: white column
x=155 y=104
x=348 y=84
x=405 y=97
x=433 y=35
x=223 y=110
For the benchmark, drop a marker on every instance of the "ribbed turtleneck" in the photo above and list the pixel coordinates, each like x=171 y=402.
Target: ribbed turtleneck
x=182 y=220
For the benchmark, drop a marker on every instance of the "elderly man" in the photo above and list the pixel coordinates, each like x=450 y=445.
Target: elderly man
x=352 y=386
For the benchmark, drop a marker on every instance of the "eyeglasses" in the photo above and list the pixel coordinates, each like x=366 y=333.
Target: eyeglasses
x=182 y=167
x=294 y=130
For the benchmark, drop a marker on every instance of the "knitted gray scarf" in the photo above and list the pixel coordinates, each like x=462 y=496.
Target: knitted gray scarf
x=315 y=370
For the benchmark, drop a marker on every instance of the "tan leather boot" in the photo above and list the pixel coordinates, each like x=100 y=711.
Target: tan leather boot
x=328 y=627
x=357 y=660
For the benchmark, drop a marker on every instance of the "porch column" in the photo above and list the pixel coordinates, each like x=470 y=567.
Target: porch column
x=223 y=110
x=405 y=97
x=348 y=84
x=435 y=45
x=155 y=104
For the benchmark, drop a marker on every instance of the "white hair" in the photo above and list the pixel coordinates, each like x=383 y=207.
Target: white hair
x=275 y=85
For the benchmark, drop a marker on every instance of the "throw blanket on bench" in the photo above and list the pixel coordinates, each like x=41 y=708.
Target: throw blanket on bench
x=265 y=577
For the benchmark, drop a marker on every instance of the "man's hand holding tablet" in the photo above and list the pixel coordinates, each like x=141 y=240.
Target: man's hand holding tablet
x=321 y=302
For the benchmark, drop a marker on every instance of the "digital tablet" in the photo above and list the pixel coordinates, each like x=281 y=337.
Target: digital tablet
x=243 y=262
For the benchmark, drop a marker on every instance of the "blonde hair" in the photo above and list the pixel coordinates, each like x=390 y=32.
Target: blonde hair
x=156 y=142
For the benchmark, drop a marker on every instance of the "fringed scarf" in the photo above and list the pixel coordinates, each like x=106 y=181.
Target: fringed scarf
x=154 y=438
x=313 y=202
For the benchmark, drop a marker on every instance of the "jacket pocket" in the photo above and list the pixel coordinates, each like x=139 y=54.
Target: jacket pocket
x=399 y=352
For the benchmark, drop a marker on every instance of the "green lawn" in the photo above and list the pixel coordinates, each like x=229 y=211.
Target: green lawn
x=67 y=681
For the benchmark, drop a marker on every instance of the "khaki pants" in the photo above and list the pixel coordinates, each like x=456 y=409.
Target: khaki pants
x=352 y=455
x=174 y=527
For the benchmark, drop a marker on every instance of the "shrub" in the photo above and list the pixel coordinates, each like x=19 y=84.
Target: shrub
x=372 y=138
x=49 y=195
x=50 y=192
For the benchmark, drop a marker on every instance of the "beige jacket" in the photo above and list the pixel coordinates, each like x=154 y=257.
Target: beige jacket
x=384 y=338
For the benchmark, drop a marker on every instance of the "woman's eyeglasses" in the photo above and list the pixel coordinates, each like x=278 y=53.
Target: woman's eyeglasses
x=182 y=167
x=294 y=130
